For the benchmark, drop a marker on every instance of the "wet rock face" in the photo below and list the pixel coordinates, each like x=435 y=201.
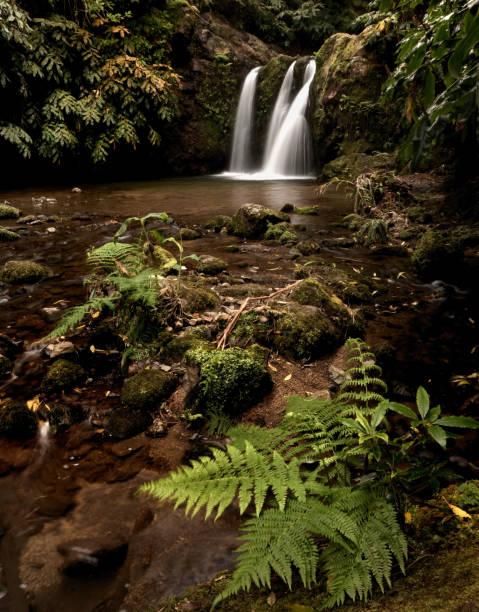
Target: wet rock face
x=347 y=116
x=23 y=272
x=62 y=375
x=251 y=220
x=89 y=557
x=437 y=255
x=147 y=389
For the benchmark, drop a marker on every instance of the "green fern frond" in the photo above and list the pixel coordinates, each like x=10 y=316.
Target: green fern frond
x=143 y=287
x=73 y=316
x=106 y=256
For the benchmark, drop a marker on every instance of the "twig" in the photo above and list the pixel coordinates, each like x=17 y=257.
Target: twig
x=222 y=341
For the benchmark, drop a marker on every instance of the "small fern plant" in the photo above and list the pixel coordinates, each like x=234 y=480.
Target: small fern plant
x=298 y=479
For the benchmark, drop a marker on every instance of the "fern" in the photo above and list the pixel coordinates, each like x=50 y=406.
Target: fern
x=76 y=314
x=107 y=255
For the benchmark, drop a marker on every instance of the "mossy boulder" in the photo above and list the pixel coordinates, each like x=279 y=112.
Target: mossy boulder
x=9 y=212
x=348 y=116
x=252 y=220
x=62 y=375
x=195 y=338
x=24 y=271
x=198 y=299
x=307 y=247
x=282 y=232
x=188 y=233
x=147 y=389
x=310 y=293
x=5 y=365
x=211 y=266
x=306 y=210
x=8 y=236
x=231 y=381
x=437 y=255
x=125 y=423
x=217 y=223
x=349 y=167
x=163 y=258
x=17 y=421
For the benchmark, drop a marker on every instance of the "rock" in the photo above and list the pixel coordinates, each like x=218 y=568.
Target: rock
x=307 y=247
x=251 y=220
x=218 y=223
x=351 y=70
x=76 y=190
x=88 y=557
x=55 y=349
x=211 y=266
x=232 y=248
x=6 y=365
x=7 y=235
x=26 y=220
x=281 y=232
x=306 y=210
x=179 y=345
x=336 y=374
x=197 y=299
x=79 y=216
x=148 y=389
x=126 y=423
x=231 y=381
x=51 y=313
x=437 y=255
x=62 y=415
x=157 y=429
x=24 y=271
x=187 y=233
x=62 y=375
x=17 y=421
x=50 y=230
x=349 y=167
x=339 y=243
x=287 y=208
x=9 y=212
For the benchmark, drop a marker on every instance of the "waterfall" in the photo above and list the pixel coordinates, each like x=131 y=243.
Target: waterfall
x=241 y=148
x=291 y=152
x=280 y=110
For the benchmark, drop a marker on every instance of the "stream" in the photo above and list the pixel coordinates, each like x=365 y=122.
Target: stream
x=68 y=498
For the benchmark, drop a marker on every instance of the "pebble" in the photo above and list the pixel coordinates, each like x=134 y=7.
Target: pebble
x=51 y=230
x=76 y=190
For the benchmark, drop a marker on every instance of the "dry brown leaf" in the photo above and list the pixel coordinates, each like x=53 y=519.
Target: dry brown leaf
x=271 y=367
x=457 y=511
x=288 y=377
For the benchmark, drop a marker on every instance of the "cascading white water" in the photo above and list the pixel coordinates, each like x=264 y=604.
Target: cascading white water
x=241 y=148
x=291 y=153
x=280 y=111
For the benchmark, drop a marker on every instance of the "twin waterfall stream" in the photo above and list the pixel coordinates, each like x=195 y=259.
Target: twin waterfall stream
x=288 y=148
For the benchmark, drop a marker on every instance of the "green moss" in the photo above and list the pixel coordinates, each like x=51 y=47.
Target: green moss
x=187 y=233
x=17 y=421
x=176 y=349
x=231 y=381
x=287 y=208
x=62 y=375
x=252 y=220
x=7 y=235
x=125 y=423
x=218 y=222
x=310 y=293
x=147 y=389
x=245 y=290
x=306 y=210
x=9 y=212
x=437 y=255
x=282 y=232
x=5 y=365
x=163 y=258
x=198 y=299
x=232 y=248
x=23 y=272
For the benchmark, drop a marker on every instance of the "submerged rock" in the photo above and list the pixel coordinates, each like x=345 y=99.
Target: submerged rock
x=9 y=212
x=62 y=375
x=251 y=220
x=218 y=223
x=24 y=271
x=147 y=389
x=231 y=381
x=17 y=421
x=5 y=365
x=211 y=266
x=187 y=233
x=198 y=299
x=124 y=422
x=8 y=236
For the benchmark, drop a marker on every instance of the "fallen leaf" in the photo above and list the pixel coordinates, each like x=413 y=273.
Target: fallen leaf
x=287 y=377
x=357 y=271
x=271 y=599
x=408 y=517
x=272 y=367
x=401 y=275
x=457 y=511
x=92 y=348
x=34 y=404
x=96 y=314
x=107 y=393
x=77 y=390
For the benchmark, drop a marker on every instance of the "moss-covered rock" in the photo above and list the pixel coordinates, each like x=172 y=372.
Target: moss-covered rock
x=282 y=232
x=232 y=248
x=251 y=220
x=147 y=389
x=23 y=272
x=349 y=167
x=348 y=116
x=197 y=299
x=307 y=247
x=125 y=423
x=188 y=233
x=5 y=365
x=306 y=210
x=62 y=375
x=9 y=212
x=231 y=381
x=245 y=290
x=217 y=223
x=8 y=236
x=211 y=266
x=191 y=339
x=310 y=293
x=437 y=255
x=17 y=421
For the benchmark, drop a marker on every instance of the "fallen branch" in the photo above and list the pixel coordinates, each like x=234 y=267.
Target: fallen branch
x=222 y=341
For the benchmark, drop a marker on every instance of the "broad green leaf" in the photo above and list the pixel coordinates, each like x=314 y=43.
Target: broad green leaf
x=124 y=227
x=429 y=89
x=378 y=415
x=402 y=409
x=422 y=399
x=438 y=434
x=459 y=421
x=433 y=414
x=162 y=215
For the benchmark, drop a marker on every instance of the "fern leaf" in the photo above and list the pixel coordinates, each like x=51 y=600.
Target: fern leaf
x=73 y=316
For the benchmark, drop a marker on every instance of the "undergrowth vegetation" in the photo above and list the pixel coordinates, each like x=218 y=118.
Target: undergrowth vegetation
x=324 y=487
